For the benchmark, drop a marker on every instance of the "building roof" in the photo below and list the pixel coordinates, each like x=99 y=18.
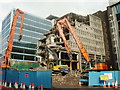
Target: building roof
x=51 y=17
x=113 y=3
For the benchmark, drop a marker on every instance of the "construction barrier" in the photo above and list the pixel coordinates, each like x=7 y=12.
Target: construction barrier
x=25 y=79
x=40 y=87
x=116 y=84
x=104 y=86
x=10 y=86
x=112 y=78
x=113 y=84
x=109 y=84
x=80 y=83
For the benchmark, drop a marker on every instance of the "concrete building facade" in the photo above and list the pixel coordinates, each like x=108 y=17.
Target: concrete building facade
x=114 y=24
x=89 y=30
x=33 y=29
x=0 y=43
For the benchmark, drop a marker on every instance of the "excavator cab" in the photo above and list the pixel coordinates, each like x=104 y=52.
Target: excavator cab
x=100 y=65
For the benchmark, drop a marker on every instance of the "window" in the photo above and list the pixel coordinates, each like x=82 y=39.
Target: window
x=28 y=45
x=17 y=56
x=29 y=58
x=117 y=8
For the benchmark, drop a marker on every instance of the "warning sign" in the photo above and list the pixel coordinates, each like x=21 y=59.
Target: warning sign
x=109 y=75
x=104 y=77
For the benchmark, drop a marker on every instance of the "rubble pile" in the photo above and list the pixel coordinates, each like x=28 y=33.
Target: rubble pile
x=69 y=80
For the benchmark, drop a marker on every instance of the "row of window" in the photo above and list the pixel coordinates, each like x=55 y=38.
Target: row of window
x=94 y=49
x=87 y=47
x=98 y=31
x=6 y=21
x=27 y=45
x=22 y=57
x=91 y=42
x=98 y=26
x=6 y=30
x=95 y=19
x=29 y=33
x=25 y=38
x=4 y=46
x=34 y=18
x=117 y=8
x=32 y=28
x=23 y=50
x=88 y=34
x=37 y=19
x=33 y=23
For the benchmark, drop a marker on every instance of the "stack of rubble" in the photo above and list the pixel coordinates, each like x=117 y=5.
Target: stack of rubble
x=69 y=80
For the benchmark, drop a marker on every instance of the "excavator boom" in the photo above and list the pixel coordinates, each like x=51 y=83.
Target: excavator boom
x=64 y=22
x=76 y=38
x=6 y=63
x=67 y=24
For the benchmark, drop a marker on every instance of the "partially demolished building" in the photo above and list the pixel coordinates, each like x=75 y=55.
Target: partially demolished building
x=89 y=30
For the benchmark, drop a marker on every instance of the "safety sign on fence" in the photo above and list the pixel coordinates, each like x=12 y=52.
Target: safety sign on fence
x=104 y=77
x=109 y=75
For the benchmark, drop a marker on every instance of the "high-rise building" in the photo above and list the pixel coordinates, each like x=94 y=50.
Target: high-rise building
x=0 y=43
x=103 y=15
x=33 y=29
x=114 y=26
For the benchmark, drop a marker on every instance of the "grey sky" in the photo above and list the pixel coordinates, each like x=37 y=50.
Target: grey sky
x=44 y=8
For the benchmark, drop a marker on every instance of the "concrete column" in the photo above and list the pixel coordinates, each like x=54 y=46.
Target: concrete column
x=101 y=58
x=79 y=61
x=59 y=55
x=59 y=62
x=23 y=57
x=94 y=56
x=60 y=40
x=59 y=58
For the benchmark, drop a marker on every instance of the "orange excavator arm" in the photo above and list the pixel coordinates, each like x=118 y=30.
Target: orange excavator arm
x=67 y=24
x=6 y=63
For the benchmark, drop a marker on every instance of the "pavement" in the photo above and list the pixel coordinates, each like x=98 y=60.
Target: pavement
x=86 y=88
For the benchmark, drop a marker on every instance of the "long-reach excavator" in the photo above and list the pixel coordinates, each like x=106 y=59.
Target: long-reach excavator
x=6 y=62
x=64 y=22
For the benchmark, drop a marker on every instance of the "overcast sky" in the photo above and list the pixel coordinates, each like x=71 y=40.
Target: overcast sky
x=44 y=8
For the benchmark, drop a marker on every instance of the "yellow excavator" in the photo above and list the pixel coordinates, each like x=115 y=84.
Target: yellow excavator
x=58 y=68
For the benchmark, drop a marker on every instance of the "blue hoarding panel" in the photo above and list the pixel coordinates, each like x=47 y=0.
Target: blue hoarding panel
x=44 y=78
x=37 y=77
x=12 y=76
x=9 y=76
x=118 y=77
x=94 y=78
x=27 y=77
x=2 y=74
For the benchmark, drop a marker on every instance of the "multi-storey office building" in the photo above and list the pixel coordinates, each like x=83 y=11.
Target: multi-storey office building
x=33 y=29
x=89 y=30
x=114 y=27
x=0 y=43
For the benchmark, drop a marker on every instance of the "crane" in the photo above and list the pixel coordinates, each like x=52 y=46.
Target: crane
x=64 y=22
x=6 y=63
